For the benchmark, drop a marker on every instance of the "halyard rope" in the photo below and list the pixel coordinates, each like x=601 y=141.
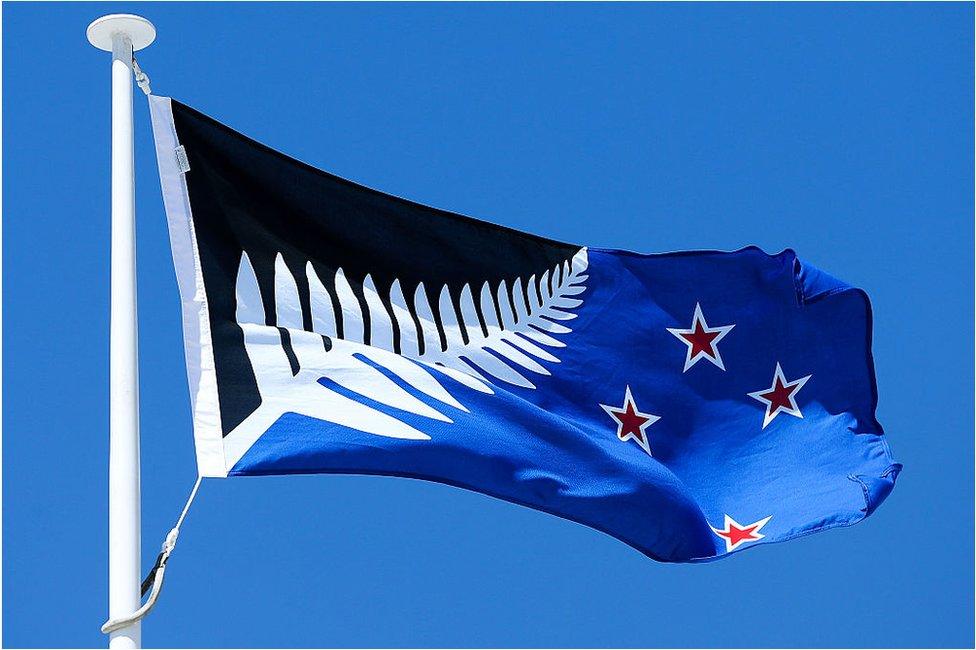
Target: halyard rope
x=154 y=580
x=142 y=79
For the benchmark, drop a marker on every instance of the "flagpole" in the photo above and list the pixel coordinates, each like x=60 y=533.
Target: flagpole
x=121 y=34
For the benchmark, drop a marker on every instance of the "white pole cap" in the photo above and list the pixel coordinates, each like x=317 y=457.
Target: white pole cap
x=139 y=30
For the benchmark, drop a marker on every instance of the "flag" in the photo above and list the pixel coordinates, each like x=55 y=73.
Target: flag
x=689 y=404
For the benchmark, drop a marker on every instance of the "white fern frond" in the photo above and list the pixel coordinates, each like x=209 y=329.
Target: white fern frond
x=505 y=345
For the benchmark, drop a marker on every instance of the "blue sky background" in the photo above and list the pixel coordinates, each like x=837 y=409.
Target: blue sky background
x=845 y=132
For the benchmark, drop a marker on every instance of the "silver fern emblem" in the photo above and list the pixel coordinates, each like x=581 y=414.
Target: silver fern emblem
x=510 y=348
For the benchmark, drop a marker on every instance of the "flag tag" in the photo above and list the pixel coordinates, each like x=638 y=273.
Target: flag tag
x=181 y=159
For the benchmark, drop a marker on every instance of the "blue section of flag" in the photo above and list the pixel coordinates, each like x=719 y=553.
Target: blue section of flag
x=781 y=443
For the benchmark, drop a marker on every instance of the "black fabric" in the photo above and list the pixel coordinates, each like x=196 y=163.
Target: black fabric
x=147 y=583
x=245 y=196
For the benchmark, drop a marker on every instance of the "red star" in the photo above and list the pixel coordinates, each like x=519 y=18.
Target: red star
x=702 y=340
x=780 y=397
x=735 y=533
x=631 y=422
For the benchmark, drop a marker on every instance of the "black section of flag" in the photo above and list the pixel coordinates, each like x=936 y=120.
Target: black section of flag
x=245 y=196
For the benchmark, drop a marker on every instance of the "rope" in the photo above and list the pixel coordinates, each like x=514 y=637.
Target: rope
x=154 y=580
x=142 y=79
x=186 y=507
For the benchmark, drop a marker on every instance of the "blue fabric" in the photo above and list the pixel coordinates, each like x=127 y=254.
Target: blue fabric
x=555 y=449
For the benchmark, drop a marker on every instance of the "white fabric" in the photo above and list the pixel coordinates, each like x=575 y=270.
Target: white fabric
x=196 y=319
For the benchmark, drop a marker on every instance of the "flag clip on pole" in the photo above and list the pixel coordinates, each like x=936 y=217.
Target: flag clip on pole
x=154 y=581
x=122 y=34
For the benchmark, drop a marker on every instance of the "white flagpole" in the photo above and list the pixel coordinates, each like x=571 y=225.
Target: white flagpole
x=121 y=34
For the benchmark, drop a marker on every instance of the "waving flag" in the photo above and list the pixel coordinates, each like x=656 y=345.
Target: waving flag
x=690 y=404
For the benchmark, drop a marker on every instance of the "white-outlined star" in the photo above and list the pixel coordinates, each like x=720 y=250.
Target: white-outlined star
x=735 y=534
x=781 y=396
x=631 y=422
x=702 y=340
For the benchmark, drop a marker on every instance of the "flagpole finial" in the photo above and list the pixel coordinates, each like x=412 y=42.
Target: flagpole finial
x=102 y=30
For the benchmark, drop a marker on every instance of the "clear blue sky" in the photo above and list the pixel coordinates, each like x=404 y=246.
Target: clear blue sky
x=845 y=132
